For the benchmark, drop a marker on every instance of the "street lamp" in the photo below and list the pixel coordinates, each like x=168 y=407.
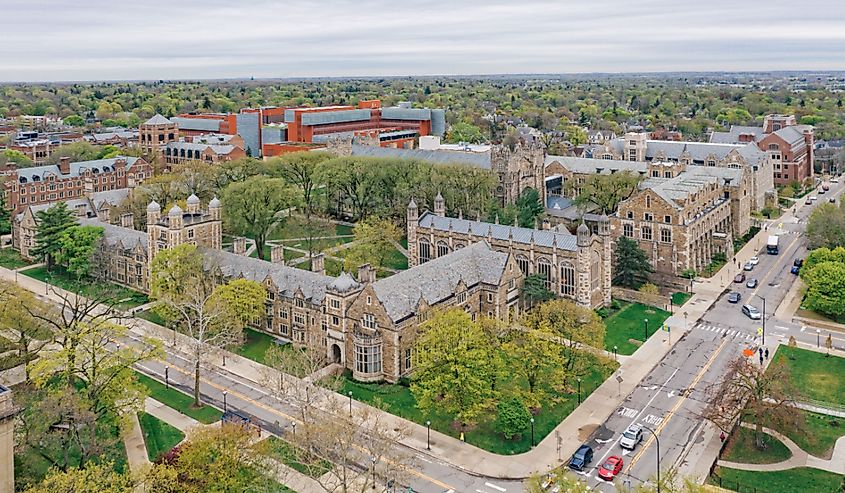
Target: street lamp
x=763 y=318
x=658 y=454
x=225 y=405
x=645 y=325
x=373 y=459
x=615 y=353
x=686 y=326
x=350 y=403
x=293 y=425
x=428 y=435
x=579 y=390
x=818 y=338
x=532 y=432
x=167 y=377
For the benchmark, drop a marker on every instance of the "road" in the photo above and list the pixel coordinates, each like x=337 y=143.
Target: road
x=671 y=399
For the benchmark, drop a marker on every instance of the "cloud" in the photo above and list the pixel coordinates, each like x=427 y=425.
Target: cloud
x=157 y=39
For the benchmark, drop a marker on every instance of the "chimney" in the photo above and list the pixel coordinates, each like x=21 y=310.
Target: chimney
x=366 y=274
x=318 y=264
x=277 y=254
x=239 y=246
x=127 y=220
x=64 y=165
x=547 y=225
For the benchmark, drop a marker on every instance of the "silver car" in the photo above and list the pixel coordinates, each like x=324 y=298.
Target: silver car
x=751 y=312
x=632 y=436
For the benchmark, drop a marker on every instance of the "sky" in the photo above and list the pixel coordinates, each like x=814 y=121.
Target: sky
x=57 y=40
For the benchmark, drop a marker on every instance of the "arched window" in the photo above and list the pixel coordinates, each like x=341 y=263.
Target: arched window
x=425 y=250
x=522 y=261
x=442 y=248
x=595 y=271
x=567 y=279
x=544 y=269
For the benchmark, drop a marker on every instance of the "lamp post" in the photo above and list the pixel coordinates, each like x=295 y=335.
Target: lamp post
x=428 y=435
x=225 y=405
x=224 y=359
x=818 y=338
x=645 y=326
x=373 y=459
x=686 y=326
x=763 y=317
x=532 y=432
x=671 y=305
x=293 y=425
x=579 y=390
x=658 y=455
x=615 y=353
x=350 y=403
x=167 y=377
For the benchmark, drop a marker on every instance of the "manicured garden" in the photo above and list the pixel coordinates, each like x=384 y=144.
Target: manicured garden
x=159 y=437
x=294 y=457
x=179 y=401
x=797 y=480
x=11 y=259
x=742 y=447
x=629 y=323
x=818 y=375
x=399 y=400
x=124 y=298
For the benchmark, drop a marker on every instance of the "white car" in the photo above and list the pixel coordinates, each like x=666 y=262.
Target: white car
x=813 y=198
x=754 y=260
x=632 y=436
x=834 y=180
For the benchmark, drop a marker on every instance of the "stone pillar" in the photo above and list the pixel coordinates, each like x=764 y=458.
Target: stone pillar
x=277 y=254
x=366 y=274
x=7 y=441
x=411 y=224
x=318 y=264
x=127 y=220
x=239 y=245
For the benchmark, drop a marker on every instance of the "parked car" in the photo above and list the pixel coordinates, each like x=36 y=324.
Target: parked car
x=813 y=198
x=748 y=266
x=632 y=436
x=581 y=458
x=754 y=260
x=740 y=277
x=795 y=270
x=611 y=467
x=751 y=312
x=734 y=297
x=835 y=179
x=751 y=284
x=809 y=201
x=799 y=262
x=822 y=191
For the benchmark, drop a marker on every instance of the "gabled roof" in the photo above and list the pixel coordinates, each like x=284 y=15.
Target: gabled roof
x=158 y=120
x=584 y=165
x=791 y=135
x=76 y=169
x=564 y=241
x=112 y=234
x=478 y=160
x=436 y=280
x=732 y=136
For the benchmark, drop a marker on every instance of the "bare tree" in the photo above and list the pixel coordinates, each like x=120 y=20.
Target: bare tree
x=749 y=391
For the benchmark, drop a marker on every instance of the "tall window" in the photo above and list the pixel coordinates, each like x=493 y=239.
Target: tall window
x=369 y=321
x=646 y=232
x=523 y=264
x=368 y=358
x=666 y=235
x=408 y=359
x=544 y=268
x=628 y=230
x=425 y=251
x=442 y=248
x=567 y=278
x=595 y=271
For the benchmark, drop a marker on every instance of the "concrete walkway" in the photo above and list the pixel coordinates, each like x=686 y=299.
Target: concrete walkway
x=136 y=448
x=170 y=416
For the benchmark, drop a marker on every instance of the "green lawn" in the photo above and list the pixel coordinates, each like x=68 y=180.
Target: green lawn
x=679 y=298
x=125 y=298
x=294 y=457
x=399 y=400
x=151 y=316
x=11 y=259
x=629 y=323
x=159 y=437
x=256 y=345
x=395 y=260
x=817 y=375
x=179 y=401
x=742 y=447
x=819 y=434
x=798 y=480
x=297 y=227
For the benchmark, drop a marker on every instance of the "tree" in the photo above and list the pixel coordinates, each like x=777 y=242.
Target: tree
x=530 y=208
x=5 y=212
x=52 y=225
x=826 y=288
x=32 y=334
x=209 y=313
x=563 y=480
x=512 y=418
x=534 y=290
x=12 y=156
x=828 y=343
x=649 y=288
x=463 y=132
x=632 y=266
x=94 y=478
x=252 y=207
x=537 y=358
x=826 y=226
x=375 y=238
x=301 y=169
x=76 y=151
x=749 y=391
x=574 y=326
x=77 y=245
x=605 y=191
x=74 y=121
x=452 y=366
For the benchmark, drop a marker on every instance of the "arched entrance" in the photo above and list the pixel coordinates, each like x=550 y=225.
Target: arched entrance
x=336 y=354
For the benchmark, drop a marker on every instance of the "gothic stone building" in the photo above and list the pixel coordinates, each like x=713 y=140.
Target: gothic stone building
x=573 y=266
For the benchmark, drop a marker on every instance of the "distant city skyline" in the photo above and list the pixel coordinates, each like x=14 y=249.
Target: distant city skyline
x=53 y=40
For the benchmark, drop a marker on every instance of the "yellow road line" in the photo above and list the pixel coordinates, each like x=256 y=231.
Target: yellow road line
x=291 y=418
x=677 y=405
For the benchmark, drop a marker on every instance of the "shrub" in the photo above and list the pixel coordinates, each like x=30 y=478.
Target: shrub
x=649 y=288
x=513 y=417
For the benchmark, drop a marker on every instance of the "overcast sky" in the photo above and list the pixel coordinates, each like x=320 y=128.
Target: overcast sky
x=189 y=39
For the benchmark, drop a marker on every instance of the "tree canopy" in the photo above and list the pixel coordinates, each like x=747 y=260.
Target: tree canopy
x=252 y=207
x=631 y=266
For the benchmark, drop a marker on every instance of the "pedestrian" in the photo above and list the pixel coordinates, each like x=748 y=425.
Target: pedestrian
x=722 y=436
x=767 y=353
x=761 y=360
x=761 y=353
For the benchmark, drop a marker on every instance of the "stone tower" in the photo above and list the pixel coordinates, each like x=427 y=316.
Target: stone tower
x=518 y=169
x=439 y=205
x=8 y=411
x=156 y=132
x=194 y=226
x=635 y=146
x=606 y=258
x=413 y=217
x=584 y=241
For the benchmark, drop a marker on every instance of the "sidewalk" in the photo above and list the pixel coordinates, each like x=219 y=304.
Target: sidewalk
x=136 y=448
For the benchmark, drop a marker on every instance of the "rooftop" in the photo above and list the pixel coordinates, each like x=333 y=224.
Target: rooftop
x=38 y=173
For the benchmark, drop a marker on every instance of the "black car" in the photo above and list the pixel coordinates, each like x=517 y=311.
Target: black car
x=799 y=262
x=734 y=297
x=581 y=458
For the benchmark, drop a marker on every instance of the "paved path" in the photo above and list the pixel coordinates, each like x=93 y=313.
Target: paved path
x=136 y=449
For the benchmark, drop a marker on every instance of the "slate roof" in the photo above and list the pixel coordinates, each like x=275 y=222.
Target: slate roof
x=698 y=151
x=479 y=160
x=112 y=234
x=437 y=279
x=204 y=124
x=217 y=149
x=76 y=169
x=691 y=181
x=564 y=241
x=584 y=165
x=791 y=134
x=732 y=135
x=112 y=197
x=124 y=134
x=158 y=120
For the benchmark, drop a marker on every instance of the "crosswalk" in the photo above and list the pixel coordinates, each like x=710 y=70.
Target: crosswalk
x=724 y=331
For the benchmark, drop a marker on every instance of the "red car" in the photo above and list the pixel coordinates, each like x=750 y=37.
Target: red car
x=611 y=467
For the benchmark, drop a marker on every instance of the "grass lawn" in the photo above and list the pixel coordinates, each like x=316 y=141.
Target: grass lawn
x=818 y=376
x=798 y=480
x=124 y=297
x=395 y=260
x=292 y=456
x=11 y=259
x=628 y=323
x=159 y=436
x=256 y=344
x=819 y=434
x=679 y=298
x=297 y=227
x=742 y=447
x=399 y=400
x=152 y=316
x=179 y=401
